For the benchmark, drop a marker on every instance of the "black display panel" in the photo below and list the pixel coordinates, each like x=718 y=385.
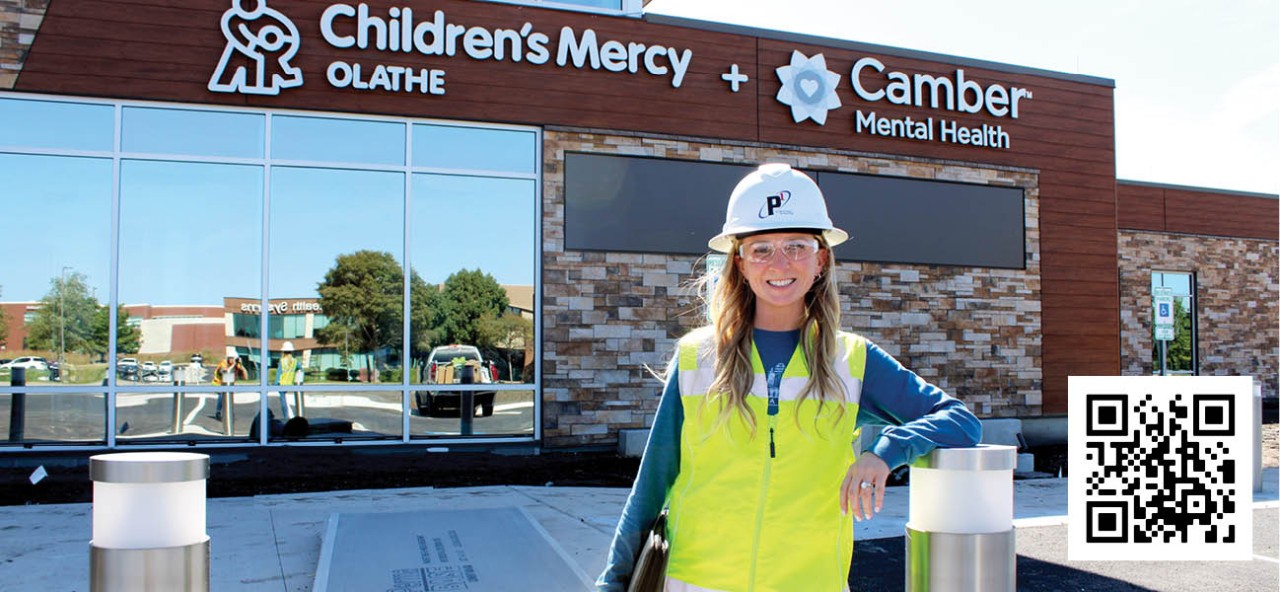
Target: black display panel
x=652 y=205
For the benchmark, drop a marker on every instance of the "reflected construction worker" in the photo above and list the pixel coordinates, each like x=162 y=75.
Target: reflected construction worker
x=286 y=373
x=751 y=449
x=228 y=371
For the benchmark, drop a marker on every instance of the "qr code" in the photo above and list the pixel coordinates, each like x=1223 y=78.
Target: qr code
x=1160 y=468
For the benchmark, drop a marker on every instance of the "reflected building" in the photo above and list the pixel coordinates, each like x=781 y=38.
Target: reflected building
x=17 y=316
x=177 y=330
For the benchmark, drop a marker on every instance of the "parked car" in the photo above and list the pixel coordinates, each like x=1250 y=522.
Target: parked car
x=165 y=370
x=456 y=364
x=342 y=375
x=28 y=362
x=127 y=368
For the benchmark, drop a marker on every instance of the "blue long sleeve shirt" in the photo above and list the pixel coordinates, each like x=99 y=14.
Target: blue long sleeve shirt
x=920 y=415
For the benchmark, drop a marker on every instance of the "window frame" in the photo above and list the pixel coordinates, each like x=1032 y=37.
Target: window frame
x=260 y=386
x=1195 y=320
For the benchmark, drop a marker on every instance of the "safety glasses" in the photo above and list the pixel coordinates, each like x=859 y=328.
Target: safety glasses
x=762 y=251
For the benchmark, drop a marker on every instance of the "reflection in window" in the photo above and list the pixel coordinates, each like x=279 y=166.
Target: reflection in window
x=1180 y=355
x=479 y=262
x=190 y=270
x=57 y=243
x=203 y=415
x=442 y=413
x=203 y=133
x=317 y=139
x=339 y=415
x=56 y=125
x=469 y=148
x=190 y=237
x=61 y=418
x=245 y=325
x=337 y=239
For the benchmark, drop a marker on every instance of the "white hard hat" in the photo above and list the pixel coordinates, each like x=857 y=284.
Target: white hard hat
x=776 y=197
x=288 y=346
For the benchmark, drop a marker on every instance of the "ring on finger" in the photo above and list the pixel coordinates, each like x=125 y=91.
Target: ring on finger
x=864 y=486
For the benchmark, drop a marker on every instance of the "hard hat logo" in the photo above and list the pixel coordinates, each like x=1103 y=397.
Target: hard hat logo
x=772 y=198
x=772 y=204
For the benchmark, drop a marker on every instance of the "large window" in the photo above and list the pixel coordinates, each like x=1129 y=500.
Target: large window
x=259 y=267
x=1180 y=353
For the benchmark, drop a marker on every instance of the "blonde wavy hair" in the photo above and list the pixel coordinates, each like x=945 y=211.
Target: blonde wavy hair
x=732 y=308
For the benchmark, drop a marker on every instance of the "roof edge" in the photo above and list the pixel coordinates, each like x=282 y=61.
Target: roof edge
x=662 y=19
x=1198 y=189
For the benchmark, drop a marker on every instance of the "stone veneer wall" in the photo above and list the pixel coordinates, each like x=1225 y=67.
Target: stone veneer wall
x=1237 y=301
x=606 y=316
x=19 y=20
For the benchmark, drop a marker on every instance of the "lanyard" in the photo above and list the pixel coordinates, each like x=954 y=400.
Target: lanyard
x=773 y=379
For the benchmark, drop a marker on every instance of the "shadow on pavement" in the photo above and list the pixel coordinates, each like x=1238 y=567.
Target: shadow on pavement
x=880 y=564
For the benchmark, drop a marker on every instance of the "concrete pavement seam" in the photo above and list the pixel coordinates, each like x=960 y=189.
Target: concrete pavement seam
x=275 y=540
x=567 y=514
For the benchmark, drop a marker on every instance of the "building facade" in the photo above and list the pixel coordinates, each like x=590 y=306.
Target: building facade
x=539 y=183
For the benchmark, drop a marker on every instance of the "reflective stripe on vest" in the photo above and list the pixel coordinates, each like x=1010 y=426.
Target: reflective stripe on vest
x=743 y=521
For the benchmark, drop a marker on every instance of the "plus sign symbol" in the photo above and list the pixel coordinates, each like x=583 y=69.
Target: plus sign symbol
x=734 y=78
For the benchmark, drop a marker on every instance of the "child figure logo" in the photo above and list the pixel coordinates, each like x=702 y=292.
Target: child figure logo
x=260 y=43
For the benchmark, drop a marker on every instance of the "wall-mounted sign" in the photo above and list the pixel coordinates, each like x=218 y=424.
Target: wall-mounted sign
x=261 y=44
x=262 y=41
x=282 y=307
x=810 y=90
x=1162 y=304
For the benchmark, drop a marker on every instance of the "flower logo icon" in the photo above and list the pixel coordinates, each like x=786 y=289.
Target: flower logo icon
x=808 y=88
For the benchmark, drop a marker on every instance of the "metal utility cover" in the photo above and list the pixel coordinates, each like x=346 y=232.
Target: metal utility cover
x=495 y=549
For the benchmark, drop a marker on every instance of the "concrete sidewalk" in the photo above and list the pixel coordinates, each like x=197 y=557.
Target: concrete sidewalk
x=272 y=543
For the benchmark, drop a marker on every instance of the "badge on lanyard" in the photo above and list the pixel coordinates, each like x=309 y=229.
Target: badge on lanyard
x=774 y=379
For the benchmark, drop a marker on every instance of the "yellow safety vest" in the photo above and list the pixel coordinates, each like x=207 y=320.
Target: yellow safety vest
x=744 y=517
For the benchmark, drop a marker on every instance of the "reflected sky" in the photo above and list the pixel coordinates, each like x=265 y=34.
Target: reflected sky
x=49 y=124
x=318 y=214
x=468 y=148
x=318 y=139
x=189 y=233
x=473 y=223
x=192 y=133
x=57 y=212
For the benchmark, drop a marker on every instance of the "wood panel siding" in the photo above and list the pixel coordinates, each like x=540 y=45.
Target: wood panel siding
x=167 y=49
x=1188 y=210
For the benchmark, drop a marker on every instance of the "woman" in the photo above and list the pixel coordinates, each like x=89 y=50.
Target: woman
x=751 y=448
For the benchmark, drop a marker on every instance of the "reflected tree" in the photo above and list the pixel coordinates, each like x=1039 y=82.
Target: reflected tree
x=508 y=334
x=1179 y=357
x=363 y=296
x=64 y=322
x=466 y=297
x=127 y=337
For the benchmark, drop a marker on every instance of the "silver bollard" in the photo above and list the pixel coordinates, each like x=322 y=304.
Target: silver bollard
x=1257 y=435
x=960 y=535
x=149 y=522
